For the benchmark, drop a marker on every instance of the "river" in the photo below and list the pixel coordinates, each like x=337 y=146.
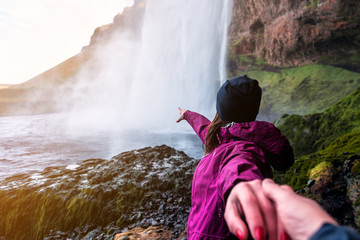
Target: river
x=28 y=144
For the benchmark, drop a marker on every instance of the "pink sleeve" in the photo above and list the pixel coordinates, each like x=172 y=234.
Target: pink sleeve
x=238 y=169
x=198 y=122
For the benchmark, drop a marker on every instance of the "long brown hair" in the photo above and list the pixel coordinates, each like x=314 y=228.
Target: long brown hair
x=212 y=140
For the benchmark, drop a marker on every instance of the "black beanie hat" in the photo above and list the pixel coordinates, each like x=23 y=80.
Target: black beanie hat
x=238 y=99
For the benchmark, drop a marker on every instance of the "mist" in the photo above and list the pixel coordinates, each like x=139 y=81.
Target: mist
x=139 y=78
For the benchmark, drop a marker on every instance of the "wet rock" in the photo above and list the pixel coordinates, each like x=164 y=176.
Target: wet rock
x=91 y=235
x=100 y=197
x=337 y=191
x=148 y=233
x=310 y=183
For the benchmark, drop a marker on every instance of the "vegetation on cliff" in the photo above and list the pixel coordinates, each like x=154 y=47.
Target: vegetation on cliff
x=336 y=154
x=327 y=146
x=298 y=89
x=314 y=132
x=152 y=186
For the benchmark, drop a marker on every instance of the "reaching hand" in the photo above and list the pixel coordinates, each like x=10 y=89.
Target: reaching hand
x=300 y=216
x=247 y=204
x=272 y=210
x=181 y=112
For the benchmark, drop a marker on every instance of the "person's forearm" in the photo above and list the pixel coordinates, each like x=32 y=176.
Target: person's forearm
x=198 y=122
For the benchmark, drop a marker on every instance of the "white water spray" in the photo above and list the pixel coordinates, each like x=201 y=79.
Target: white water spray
x=179 y=60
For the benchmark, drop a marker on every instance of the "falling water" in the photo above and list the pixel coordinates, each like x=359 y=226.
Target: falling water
x=127 y=97
x=177 y=60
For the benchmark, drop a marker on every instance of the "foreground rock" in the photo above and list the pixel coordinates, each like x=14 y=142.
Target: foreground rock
x=149 y=233
x=336 y=188
x=150 y=187
x=99 y=198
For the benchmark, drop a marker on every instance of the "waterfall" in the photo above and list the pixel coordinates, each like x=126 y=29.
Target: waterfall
x=178 y=59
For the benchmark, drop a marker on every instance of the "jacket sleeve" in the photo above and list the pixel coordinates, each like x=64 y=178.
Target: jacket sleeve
x=236 y=168
x=278 y=150
x=330 y=231
x=281 y=157
x=275 y=145
x=198 y=122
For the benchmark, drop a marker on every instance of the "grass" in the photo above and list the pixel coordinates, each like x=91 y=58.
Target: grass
x=322 y=140
x=340 y=59
x=305 y=89
x=311 y=133
x=335 y=154
x=320 y=170
x=249 y=61
x=312 y=4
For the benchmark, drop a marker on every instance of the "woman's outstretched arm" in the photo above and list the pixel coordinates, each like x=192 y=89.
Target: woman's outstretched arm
x=197 y=121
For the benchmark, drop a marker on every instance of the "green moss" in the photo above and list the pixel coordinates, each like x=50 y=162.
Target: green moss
x=261 y=61
x=340 y=59
x=298 y=175
x=312 y=4
x=357 y=203
x=32 y=212
x=355 y=170
x=245 y=59
x=250 y=61
x=314 y=132
x=304 y=90
x=320 y=170
x=37 y=213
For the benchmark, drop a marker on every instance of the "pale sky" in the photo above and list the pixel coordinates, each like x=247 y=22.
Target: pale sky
x=37 y=35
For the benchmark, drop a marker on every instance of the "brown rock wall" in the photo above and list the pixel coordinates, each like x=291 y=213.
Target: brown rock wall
x=289 y=32
x=130 y=21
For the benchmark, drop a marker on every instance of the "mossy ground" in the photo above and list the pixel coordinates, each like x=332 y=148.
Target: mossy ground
x=299 y=89
x=312 y=4
x=31 y=215
x=305 y=89
x=249 y=62
x=320 y=170
x=314 y=132
x=351 y=60
x=326 y=137
x=335 y=154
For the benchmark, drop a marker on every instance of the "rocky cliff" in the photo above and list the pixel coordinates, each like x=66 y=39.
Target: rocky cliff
x=292 y=32
x=305 y=54
x=267 y=40
x=50 y=91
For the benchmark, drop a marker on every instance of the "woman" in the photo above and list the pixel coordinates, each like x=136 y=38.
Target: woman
x=237 y=149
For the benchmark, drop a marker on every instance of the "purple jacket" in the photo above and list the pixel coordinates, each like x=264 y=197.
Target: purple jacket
x=245 y=153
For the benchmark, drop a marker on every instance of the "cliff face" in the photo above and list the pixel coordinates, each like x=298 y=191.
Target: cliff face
x=130 y=21
x=283 y=32
x=291 y=32
x=41 y=93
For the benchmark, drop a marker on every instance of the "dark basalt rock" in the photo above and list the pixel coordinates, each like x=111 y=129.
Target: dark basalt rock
x=99 y=197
